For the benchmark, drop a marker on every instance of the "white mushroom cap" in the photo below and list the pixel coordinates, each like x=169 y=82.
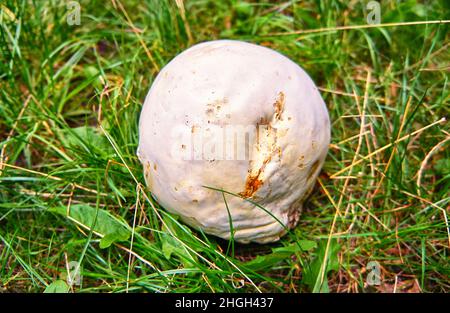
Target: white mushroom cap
x=186 y=139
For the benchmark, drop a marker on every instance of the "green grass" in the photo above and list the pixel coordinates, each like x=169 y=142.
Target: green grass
x=70 y=98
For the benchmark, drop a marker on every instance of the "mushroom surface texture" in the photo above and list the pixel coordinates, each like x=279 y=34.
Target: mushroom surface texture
x=232 y=136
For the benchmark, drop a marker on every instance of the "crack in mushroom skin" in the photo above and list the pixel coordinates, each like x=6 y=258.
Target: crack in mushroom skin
x=254 y=181
x=279 y=106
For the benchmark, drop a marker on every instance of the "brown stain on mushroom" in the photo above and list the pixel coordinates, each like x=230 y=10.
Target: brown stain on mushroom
x=252 y=185
x=279 y=105
x=302 y=161
x=263 y=121
x=253 y=182
x=147 y=169
x=147 y=175
x=215 y=106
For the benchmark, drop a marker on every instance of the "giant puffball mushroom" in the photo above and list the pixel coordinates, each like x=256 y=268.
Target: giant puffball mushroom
x=232 y=136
